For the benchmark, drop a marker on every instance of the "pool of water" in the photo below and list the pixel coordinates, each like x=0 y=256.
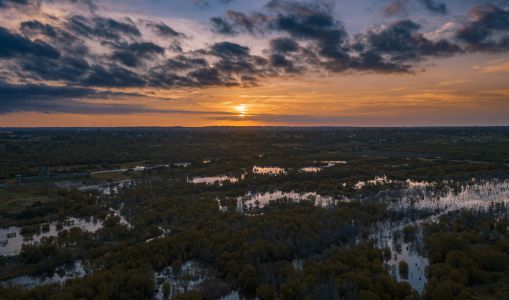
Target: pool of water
x=258 y=200
x=331 y=163
x=423 y=196
x=411 y=250
x=190 y=277
x=118 y=213
x=268 y=170
x=472 y=195
x=378 y=180
x=11 y=238
x=211 y=180
x=234 y=295
x=60 y=275
x=311 y=169
x=108 y=188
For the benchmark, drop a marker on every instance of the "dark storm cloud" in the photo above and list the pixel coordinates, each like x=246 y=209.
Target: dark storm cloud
x=113 y=75
x=401 y=41
x=208 y=77
x=304 y=37
x=372 y=61
x=166 y=76
x=134 y=54
x=34 y=27
x=5 y=3
x=163 y=30
x=13 y=44
x=221 y=26
x=486 y=22
x=284 y=45
x=58 y=37
x=67 y=68
x=236 y=22
x=318 y=27
x=228 y=49
x=280 y=61
x=311 y=23
x=43 y=98
x=435 y=7
x=104 y=28
x=182 y=62
x=59 y=99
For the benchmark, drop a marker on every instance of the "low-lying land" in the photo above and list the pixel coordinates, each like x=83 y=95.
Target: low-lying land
x=273 y=213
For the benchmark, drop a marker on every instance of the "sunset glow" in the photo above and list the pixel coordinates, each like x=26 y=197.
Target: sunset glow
x=241 y=109
x=245 y=63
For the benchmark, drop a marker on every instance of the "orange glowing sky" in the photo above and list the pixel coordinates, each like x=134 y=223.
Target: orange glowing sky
x=464 y=89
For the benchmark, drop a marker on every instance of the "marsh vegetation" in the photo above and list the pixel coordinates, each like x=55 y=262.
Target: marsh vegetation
x=272 y=213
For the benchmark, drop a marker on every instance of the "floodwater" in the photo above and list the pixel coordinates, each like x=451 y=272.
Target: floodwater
x=11 y=238
x=268 y=170
x=234 y=295
x=424 y=197
x=326 y=164
x=117 y=213
x=108 y=188
x=391 y=236
x=474 y=195
x=421 y=196
x=311 y=169
x=259 y=200
x=331 y=163
x=211 y=180
x=190 y=276
x=379 y=180
x=60 y=275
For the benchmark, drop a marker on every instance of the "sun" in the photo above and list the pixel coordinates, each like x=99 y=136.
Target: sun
x=241 y=109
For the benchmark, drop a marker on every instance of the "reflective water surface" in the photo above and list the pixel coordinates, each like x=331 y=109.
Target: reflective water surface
x=259 y=200
x=211 y=180
x=268 y=170
x=311 y=169
x=187 y=278
x=108 y=188
x=405 y=239
x=60 y=275
x=11 y=238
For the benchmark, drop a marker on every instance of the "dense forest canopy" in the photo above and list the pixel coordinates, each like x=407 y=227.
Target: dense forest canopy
x=349 y=213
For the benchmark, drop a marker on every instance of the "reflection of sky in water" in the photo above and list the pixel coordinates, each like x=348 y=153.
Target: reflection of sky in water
x=415 y=196
x=11 y=239
x=423 y=196
x=379 y=180
x=268 y=170
x=60 y=275
x=210 y=180
x=327 y=163
x=250 y=201
x=311 y=169
x=190 y=276
x=109 y=188
x=391 y=236
x=473 y=195
x=234 y=295
x=331 y=163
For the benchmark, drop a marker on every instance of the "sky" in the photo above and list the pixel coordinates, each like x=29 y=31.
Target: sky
x=83 y=63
